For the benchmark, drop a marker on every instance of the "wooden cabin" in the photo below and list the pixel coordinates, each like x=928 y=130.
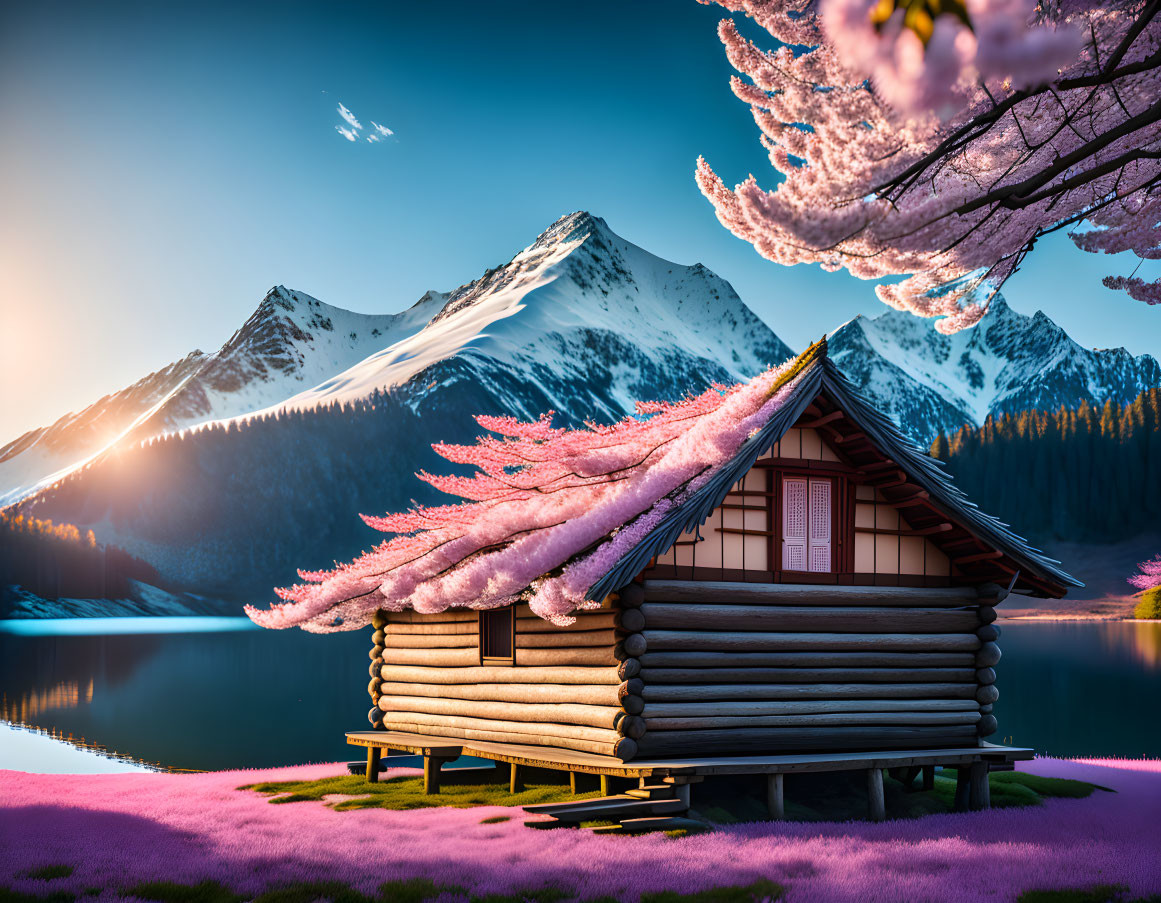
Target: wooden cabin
x=829 y=591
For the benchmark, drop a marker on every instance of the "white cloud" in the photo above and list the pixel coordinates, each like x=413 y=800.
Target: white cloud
x=373 y=138
x=346 y=133
x=350 y=117
x=382 y=129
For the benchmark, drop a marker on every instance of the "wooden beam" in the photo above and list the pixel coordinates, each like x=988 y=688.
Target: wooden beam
x=775 y=801
x=921 y=496
x=982 y=556
x=963 y=791
x=821 y=421
x=516 y=779
x=876 y=804
x=981 y=797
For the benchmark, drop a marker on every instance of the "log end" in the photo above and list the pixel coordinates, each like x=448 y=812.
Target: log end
x=375 y=716
x=634 y=645
x=375 y=669
x=987 y=695
x=631 y=596
x=988 y=655
x=989 y=633
x=630 y=620
x=634 y=705
x=625 y=749
x=379 y=619
x=985 y=676
x=987 y=725
x=630 y=667
x=632 y=726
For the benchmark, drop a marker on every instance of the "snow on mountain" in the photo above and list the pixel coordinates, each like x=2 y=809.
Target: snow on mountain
x=291 y=342
x=579 y=311
x=43 y=454
x=1009 y=362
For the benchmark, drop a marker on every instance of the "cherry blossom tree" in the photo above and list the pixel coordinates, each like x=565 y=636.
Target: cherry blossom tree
x=940 y=140
x=548 y=511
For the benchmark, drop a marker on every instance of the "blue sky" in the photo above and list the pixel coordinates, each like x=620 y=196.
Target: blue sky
x=163 y=164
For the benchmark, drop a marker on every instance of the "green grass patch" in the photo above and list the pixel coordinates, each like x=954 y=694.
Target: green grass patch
x=1100 y=893
x=547 y=894
x=50 y=872
x=7 y=895
x=495 y=819
x=172 y=892
x=758 y=892
x=403 y=793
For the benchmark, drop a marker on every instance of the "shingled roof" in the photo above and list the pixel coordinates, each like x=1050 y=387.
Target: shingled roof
x=815 y=377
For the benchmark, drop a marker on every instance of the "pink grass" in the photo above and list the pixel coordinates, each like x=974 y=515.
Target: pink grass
x=121 y=829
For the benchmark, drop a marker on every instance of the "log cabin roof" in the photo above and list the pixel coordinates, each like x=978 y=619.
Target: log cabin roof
x=993 y=551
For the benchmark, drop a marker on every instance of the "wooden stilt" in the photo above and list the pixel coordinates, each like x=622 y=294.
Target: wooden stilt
x=963 y=790
x=908 y=776
x=606 y=785
x=681 y=792
x=775 y=801
x=431 y=767
x=981 y=796
x=515 y=779
x=876 y=805
x=572 y=782
x=928 y=777
x=373 y=755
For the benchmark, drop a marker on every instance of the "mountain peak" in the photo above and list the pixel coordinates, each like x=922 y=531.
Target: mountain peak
x=574 y=226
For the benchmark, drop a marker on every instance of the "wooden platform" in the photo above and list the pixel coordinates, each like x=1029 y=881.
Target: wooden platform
x=589 y=763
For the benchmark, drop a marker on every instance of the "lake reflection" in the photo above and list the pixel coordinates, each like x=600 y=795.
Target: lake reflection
x=254 y=698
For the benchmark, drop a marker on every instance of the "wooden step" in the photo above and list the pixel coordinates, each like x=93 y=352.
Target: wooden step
x=642 y=825
x=550 y=808
x=545 y=824
x=651 y=792
x=617 y=810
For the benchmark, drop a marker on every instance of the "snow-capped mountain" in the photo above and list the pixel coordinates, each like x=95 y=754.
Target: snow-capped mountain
x=1009 y=362
x=581 y=322
x=290 y=343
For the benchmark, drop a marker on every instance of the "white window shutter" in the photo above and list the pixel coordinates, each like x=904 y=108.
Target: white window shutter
x=794 y=524
x=820 y=525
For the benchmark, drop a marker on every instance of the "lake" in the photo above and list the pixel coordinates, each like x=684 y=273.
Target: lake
x=212 y=693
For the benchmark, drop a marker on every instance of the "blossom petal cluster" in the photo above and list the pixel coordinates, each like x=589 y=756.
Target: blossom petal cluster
x=547 y=512
x=1150 y=576
x=943 y=153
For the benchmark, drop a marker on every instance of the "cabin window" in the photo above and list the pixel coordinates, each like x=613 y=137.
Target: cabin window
x=806 y=524
x=498 y=636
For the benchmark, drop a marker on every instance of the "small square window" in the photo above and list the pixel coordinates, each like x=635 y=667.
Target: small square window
x=498 y=636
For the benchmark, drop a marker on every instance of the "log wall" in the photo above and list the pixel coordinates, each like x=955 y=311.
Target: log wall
x=736 y=668
x=703 y=668
x=563 y=688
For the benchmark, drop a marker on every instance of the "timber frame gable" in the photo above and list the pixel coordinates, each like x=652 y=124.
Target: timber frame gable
x=895 y=517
